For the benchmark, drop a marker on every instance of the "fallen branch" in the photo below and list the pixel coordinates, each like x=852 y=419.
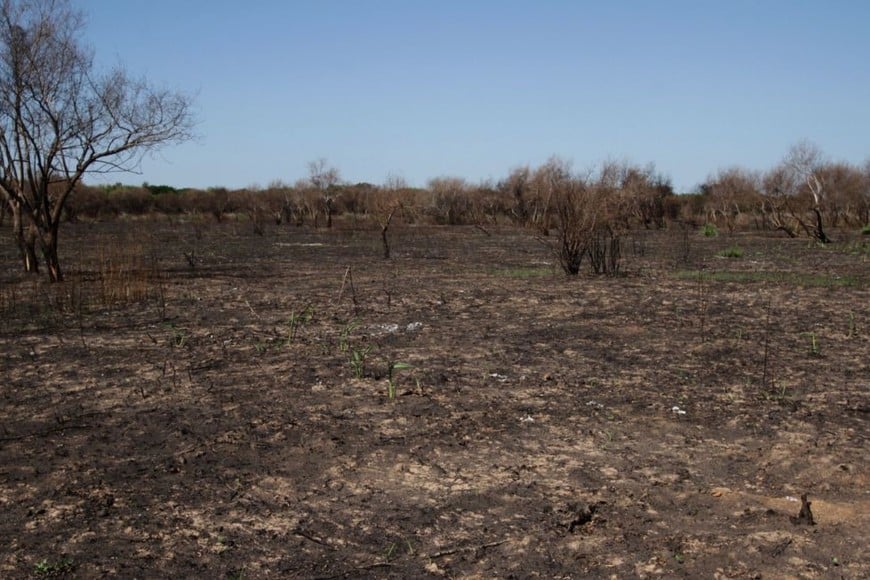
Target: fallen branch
x=452 y=551
x=353 y=571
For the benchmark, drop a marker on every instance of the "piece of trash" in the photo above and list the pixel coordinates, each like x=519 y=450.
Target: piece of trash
x=498 y=377
x=791 y=498
x=677 y=411
x=527 y=419
x=414 y=327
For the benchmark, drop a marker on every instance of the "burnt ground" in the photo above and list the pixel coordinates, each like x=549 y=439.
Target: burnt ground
x=236 y=423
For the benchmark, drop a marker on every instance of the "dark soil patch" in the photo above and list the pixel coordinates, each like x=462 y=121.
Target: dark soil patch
x=236 y=423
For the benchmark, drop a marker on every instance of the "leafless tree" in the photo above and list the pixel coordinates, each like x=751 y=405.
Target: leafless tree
x=546 y=181
x=387 y=202
x=728 y=194
x=450 y=200
x=61 y=119
x=805 y=161
x=323 y=179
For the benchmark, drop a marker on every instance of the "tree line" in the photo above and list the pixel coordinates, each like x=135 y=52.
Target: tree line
x=62 y=120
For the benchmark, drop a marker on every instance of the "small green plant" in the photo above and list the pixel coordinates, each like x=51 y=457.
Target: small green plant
x=709 y=231
x=732 y=252
x=358 y=360
x=49 y=569
x=344 y=339
x=179 y=335
x=865 y=231
x=297 y=321
x=814 y=344
x=392 y=367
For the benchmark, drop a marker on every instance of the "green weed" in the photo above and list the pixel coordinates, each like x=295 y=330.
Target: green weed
x=732 y=252
x=358 y=360
x=49 y=569
x=392 y=367
x=344 y=338
x=814 y=344
x=297 y=321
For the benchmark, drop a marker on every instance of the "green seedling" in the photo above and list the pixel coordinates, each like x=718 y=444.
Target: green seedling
x=392 y=367
x=814 y=344
x=297 y=321
x=358 y=360
x=344 y=339
x=732 y=252
x=48 y=569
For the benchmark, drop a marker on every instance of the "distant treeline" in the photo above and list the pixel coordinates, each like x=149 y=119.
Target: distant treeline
x=789 y=198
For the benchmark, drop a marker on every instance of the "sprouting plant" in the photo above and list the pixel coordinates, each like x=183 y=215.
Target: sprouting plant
x=814 y=344
x=344 y=339
x=49 y=569
x=296 y=321
x=392 y=367
x=710 y=231
x=179 y=339
x=358 y=360
x=732 y=252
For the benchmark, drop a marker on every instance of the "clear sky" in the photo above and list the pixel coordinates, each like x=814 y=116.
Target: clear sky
x=474 y=88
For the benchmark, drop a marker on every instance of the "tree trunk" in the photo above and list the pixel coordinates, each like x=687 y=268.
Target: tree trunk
x=820 y=230
x=25 y=238
x=48 y=245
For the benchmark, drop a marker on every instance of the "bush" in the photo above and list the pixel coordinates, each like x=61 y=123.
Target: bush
x=732 y=252
x=710 y=231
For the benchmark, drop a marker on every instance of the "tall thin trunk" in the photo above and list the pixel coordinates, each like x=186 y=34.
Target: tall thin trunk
x=25 y=238
x=48 y=245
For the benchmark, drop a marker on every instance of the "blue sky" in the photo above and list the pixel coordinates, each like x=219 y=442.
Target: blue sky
x=470 y=88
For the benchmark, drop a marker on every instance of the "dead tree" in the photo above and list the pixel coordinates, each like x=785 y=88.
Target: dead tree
x=61 y=119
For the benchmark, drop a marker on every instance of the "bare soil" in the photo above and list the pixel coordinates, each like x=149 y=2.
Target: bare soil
x=237 y=422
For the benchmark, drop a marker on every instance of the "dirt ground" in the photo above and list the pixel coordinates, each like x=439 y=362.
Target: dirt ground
x=238 y=424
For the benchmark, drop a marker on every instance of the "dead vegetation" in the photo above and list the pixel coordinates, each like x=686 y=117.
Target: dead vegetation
x=462 y=409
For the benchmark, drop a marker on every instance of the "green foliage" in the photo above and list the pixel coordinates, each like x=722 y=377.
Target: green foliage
x=865 y=231
x=159 y=189
x=358 y=360
x=392 y=367
x=296 y=321
x=814 y=349
x=344 y=338
x=48 y=569
x=710 y=231
x=732 y=252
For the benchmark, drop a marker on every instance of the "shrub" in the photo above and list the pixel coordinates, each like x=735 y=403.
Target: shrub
x=710 y=231
x=732 y=252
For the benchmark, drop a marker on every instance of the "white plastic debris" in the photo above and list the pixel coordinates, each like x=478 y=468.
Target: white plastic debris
x=677 y=411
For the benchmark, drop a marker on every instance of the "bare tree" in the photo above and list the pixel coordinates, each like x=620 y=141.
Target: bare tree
x=546 y=181
x=388 y=201
x=61 y=119
x=323 y=179
x=804 y=160
x=728 y=194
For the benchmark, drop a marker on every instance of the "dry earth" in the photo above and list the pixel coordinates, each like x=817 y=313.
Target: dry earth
x=660 y=424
